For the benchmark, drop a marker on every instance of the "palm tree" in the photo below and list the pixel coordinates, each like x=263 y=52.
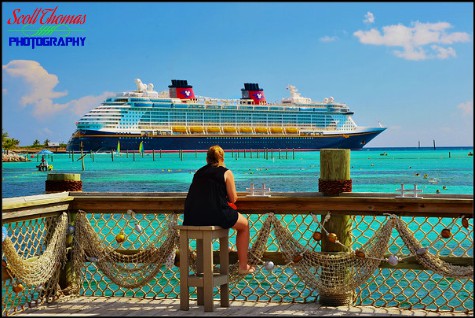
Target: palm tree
x=7 y=142
x=36 y=143
x=10 y=143
x=4 y=137
x=46 y=142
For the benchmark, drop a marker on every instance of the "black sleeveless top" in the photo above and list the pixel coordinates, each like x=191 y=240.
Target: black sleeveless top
x=206 y=202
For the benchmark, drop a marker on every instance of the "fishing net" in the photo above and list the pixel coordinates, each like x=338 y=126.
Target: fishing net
x=428 y=260
x=126 y=270
x=41 y=269
x=342 y=272
x=330 y=273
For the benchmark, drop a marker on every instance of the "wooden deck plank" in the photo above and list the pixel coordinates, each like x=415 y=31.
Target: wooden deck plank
x=125 y=306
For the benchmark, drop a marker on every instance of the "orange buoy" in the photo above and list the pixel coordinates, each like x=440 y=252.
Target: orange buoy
x=446 y=233
x=465 y=223
x=360 y=254
x=18 y=288
x=317 y=236
x=332 y=237
x=120 y=238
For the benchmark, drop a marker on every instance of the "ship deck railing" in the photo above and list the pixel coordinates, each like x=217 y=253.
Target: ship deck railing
x=31 y=222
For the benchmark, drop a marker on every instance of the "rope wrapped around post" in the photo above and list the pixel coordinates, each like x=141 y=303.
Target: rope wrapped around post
x=59 y=182
x=330 y=187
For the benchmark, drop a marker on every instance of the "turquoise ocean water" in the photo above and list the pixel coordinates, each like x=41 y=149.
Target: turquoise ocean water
x=448 y=169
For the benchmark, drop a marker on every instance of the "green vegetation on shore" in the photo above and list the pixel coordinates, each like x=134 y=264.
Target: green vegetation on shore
x=12 y=144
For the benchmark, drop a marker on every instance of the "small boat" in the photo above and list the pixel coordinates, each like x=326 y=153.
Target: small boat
x=291 y=130
x=196 y=129
x=261 y=130
x=247 y=130
x=179 y=129
x=228 y=129
x=433 y=180
x=213 y=129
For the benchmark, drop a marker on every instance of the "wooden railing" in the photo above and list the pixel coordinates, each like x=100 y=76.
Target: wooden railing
x=15 y=211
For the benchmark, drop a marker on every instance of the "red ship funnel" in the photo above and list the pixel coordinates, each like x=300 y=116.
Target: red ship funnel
x=181 y=89
x=253 y=92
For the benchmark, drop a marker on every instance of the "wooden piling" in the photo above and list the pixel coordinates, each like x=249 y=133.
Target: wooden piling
x=59 y=182
x=83 y=166
x=67 y=279
x=334 y=179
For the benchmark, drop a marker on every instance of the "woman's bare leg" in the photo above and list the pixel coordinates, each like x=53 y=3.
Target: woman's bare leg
x=242 y=241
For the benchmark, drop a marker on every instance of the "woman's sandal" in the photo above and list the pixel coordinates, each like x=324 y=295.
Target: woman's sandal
x=250 y=270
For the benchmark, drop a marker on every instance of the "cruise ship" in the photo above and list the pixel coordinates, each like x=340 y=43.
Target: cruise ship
x=145 y=120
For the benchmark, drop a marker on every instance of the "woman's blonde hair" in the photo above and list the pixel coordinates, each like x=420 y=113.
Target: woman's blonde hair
x=215 y=155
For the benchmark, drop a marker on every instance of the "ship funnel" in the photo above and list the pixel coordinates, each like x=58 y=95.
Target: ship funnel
x=253 y=92
x=181 y=89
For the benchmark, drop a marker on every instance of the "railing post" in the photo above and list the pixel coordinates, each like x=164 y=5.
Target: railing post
x=334 y=179
x=59 y=182
x=67 y=279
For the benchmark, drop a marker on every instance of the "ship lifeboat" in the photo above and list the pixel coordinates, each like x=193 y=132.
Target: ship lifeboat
x=213 y=129
x=246 y=130
x=261 y=130
x=179 y=129
x=291 y=130
x=196 y=129
x=229 y=129
x=276 y=130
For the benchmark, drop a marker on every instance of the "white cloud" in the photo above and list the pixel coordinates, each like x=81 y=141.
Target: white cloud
x=368 y=18
x=443 y=53
x=82 y=105
x=420 y=41
x=40 y=90
x=39 y=86
x=328 y=38
x=466 y=108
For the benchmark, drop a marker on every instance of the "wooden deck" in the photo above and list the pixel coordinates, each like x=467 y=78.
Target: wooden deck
x=132 y=307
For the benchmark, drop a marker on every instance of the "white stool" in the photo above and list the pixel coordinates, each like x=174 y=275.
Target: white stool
x=204 y=279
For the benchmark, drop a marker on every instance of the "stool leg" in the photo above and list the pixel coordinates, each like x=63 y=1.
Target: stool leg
x=199 y=269
x=224 y=269
x=184 y=271
x=208 y=271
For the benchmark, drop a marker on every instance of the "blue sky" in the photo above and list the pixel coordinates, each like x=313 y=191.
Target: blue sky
x=406 y=65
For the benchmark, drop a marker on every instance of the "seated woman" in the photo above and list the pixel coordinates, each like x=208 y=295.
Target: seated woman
x=209 y=200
